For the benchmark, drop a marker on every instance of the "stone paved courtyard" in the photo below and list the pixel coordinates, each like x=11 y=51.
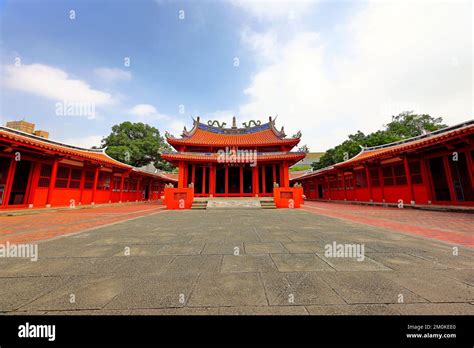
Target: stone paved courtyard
x=239 y=262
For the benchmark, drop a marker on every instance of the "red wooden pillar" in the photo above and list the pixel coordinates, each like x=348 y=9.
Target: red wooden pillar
x=9 y=182
x=181 y=175
x=226 y=180
x=150 y=189
x=344 y=184
x=241 y=180
x=139 y=193
x=409 y=182
x=381 y=183
x=52 y=183
x=203 y=180
x=122 y=181
x=326 y=178
x=212 y=180
x=286 y=175
x=369 y=182
x=449 y=178
x=255 y=180
x=264 y=186
x=470 y=169
x=281 y=183
x=111 y=183
x=426 y=180
x=185 y=175
x=274 y=174
x=82 y=183
x=193 y=174
x=94 y=185
x=34 y=183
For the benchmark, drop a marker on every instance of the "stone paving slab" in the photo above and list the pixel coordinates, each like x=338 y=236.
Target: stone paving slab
x=228 y=289
x=353 y=264
x=298 y=288
x=433 y=286
x=163 y=291
x=247 y=263
x=264 y=248
x=358 y=309
x=81 y=293
x=239 y=262
x=17 y=292
x=369 y=287
x=195 y=264
x=300 y=263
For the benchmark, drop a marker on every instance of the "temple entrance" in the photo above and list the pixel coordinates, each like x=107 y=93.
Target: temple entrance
x=440 y=183
x=460 y=175
x=4 y=167
x=20 y=183
x=234 y=180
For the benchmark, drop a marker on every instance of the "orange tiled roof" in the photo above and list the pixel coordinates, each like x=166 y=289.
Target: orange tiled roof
x=204 y=135
x=94 y=155
x=213 y=157
x=403 y=146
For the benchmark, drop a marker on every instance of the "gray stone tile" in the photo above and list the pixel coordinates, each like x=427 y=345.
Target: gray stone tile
x=300 y=263
x=265 y=310
x=298 y=289
x=264 y=248
x=163 y=291
x=181 y=249
x=223 y=248
x=81 y=293
x=247 y=263
x=195 y=264
x=17 y=292
x=228 y=289
x=304 y=247
x=434 y=287
x=403 y=261
x=368 y=287
x=353 y=264
x=434 y=308
x=360 y=309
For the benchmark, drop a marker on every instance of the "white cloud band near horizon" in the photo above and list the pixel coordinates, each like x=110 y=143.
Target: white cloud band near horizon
x=52 y=83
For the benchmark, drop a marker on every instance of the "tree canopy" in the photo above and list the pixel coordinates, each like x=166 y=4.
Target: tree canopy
x=137 y=144
x=402 y=126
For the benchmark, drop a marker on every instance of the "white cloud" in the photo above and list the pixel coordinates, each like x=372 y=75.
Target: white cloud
x=85 y=142
x=112 y=75
x=147 y=112
x=52 y=83
x=271 y=10
x=401 y=56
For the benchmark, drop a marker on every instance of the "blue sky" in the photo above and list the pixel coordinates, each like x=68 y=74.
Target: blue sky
x=328 y=68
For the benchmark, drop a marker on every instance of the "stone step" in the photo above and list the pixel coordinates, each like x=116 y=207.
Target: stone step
x=201 y=204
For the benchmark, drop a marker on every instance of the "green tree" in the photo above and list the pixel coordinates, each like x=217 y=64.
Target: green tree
x=137 y=144
x=402 y=126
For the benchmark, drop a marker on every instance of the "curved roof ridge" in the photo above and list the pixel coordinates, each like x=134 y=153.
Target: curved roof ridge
x=12 y=130
x=422 y=136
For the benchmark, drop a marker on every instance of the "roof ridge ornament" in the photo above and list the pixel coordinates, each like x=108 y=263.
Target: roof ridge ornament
x=215 y=122
x=297 y=135
x=252 y=122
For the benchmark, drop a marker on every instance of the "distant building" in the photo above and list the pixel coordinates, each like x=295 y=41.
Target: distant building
x=27 y=127
x=309 y=159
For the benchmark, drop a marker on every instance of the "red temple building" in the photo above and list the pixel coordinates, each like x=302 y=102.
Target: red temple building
x=431 y=169
x=233 y=162
x=36 y=172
